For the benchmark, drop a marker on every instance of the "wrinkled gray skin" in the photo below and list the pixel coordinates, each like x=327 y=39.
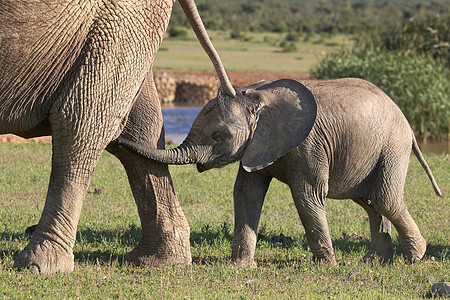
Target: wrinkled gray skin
x=334 y=138
x=82 y=72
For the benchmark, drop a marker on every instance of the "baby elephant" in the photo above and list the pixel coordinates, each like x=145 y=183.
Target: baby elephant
x=341 y=139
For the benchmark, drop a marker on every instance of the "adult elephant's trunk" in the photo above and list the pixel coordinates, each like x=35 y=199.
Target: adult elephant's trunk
x=190 y=9
x=181 y=155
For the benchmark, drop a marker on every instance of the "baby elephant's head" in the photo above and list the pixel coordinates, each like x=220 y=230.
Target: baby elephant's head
x=257 y=126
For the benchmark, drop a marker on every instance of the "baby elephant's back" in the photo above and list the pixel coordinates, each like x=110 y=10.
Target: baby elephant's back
x=356 y=125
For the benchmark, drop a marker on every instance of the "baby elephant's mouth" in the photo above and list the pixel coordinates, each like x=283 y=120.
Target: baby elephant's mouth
x=202 y=168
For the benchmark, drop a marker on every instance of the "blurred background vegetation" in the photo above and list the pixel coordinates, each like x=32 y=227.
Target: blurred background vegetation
x=310 y=16
x=403 y=46
x=411 y=63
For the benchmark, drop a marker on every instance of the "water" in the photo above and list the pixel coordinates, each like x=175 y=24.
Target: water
x=178 y=121
x=437 y=147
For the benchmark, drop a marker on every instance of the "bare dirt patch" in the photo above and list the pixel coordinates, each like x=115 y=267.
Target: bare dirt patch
x=237 y=78
x=11 y=138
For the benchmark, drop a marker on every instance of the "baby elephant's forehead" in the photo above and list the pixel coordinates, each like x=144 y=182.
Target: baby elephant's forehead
x=229 y=114
x=208 y=118
x=210 y=108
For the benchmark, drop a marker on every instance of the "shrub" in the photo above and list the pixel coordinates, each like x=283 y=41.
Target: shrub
x=430 y=36
x=178 y=32
x=288 y=47
x=292 y=37
x=238 y=34
x=418 y=84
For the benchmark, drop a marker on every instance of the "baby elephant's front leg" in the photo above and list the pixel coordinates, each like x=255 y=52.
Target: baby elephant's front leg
x=249 y=192
x=310 y=203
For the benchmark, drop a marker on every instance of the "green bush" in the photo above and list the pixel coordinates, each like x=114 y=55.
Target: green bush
x=418 y=84
x=288 y=47
x=430 y=36
x=310 y=16
x=178 y=32
x=238 y=34
x=292 y=37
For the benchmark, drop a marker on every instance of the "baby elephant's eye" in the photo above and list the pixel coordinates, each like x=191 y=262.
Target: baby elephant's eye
x=218 y=136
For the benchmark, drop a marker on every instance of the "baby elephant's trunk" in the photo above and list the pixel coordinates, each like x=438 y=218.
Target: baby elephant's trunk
x=180 y=155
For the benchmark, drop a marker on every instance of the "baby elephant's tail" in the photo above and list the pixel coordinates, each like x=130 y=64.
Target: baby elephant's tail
x=425 y=166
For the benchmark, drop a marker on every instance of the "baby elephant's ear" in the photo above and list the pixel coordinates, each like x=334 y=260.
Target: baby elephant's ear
x=287 y=114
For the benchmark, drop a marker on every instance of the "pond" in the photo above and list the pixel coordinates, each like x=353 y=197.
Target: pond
x=178 y=121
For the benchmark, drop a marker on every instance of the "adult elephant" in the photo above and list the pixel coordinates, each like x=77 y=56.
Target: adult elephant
x=82 y=72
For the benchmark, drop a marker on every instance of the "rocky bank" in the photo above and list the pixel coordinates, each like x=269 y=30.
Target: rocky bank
x=201 y=86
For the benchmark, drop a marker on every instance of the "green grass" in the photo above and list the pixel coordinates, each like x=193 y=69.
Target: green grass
x=260 y=53
x=109 y=227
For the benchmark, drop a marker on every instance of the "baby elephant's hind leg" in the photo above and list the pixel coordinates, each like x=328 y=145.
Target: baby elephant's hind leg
x=388 y=201
x=380 y=234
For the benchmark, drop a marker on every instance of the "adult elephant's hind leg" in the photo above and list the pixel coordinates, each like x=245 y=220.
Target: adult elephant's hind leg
x=380 y=234
x=164 y=228
x=165 y=231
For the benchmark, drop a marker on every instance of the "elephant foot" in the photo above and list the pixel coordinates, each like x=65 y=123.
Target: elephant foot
x=141 y=256
x=244 y=262
x=383 y=257
x=414 y=249
x=324 y=256
x=381 y=250
x=30 y=230
x=329 y=260
x=243 y=255
x=42 y=256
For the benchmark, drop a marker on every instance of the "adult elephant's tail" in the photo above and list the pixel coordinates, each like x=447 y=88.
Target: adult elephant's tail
x=190 y=9
x=418 y=153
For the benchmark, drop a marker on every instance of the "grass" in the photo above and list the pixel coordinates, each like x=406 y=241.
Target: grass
x=258 y=52
x=109 y=227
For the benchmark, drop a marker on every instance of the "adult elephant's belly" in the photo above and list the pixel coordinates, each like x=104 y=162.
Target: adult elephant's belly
x=37 y=48
x=26 y=120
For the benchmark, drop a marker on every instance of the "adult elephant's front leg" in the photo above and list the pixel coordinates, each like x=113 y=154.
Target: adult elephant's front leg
x=165 y=231
x=79 y=138
x=50 y=249
x=86 y=113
